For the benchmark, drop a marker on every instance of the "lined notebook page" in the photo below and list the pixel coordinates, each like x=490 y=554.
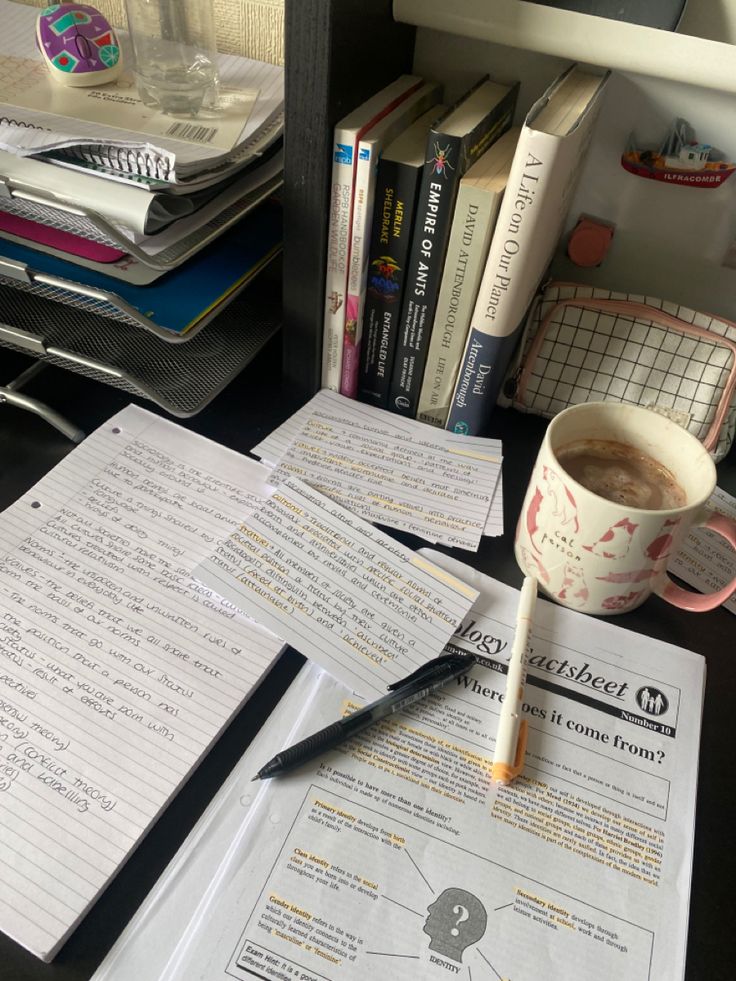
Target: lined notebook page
x=118 y=670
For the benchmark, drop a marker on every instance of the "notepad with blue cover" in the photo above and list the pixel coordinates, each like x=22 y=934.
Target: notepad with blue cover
x=182 y=299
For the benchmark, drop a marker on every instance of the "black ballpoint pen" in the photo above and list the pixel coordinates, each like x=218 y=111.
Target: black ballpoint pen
x=419 y=684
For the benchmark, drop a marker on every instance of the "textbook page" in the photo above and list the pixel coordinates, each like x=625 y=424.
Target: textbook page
x=119 y=670
x=394 y=855
x=363 y=606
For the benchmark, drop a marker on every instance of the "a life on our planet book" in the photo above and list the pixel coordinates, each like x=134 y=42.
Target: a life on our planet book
x=544 y=174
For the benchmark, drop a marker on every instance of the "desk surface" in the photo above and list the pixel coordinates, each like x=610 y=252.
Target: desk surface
x=245 y=412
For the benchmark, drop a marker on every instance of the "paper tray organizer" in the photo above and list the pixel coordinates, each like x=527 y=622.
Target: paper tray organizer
x=86 y=335
x=88 y=224
x=106 y=303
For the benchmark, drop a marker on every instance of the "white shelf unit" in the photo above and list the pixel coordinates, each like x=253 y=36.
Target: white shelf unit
x=701 y=51
x=670 y=241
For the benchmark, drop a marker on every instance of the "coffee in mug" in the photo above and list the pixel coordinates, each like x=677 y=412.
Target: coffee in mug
x=614 y=491
x=621 y=473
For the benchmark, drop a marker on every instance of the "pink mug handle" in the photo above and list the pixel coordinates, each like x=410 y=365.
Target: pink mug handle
x=702 y=602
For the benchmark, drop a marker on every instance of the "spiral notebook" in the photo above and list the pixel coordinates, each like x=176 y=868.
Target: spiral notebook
x=171 y=246
x=162 y=147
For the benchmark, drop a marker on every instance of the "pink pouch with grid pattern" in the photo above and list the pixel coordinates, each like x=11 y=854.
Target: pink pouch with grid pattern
x=583 y=344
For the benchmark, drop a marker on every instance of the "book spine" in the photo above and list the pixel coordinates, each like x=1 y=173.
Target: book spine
x=369 y=153
x=365 y=182
x=440 y=177
x=475 y=215
x=393 y=215
x=345 y=151
x=338 y=242
x=529 y=223
x=447 y=159
x=479 y=381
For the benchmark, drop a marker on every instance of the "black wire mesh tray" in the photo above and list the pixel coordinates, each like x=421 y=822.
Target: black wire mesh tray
x=180 y=378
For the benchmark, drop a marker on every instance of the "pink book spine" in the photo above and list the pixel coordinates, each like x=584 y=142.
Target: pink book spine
x=341 y=214
x=357 y=266
x=351 y=348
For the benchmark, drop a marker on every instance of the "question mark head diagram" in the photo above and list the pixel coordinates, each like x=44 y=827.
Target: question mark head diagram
x=456 y=920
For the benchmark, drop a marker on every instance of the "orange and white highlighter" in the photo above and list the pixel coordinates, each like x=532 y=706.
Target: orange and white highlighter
x=508 y=758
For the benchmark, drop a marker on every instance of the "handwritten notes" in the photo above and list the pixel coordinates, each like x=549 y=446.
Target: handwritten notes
x=706 y=560
x=117 y=669
x=364 y=607
x=391 y=470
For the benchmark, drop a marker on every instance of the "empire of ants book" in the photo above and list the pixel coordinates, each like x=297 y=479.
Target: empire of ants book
x=476 y=209
x=454 y=143
x=397 y=186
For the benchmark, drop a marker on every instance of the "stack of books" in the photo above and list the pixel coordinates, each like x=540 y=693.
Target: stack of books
x=164 y=218
x=442 y=222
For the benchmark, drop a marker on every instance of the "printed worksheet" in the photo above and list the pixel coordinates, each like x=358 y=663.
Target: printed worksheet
x=360 y=604
x=118 y=669
x=395 y=856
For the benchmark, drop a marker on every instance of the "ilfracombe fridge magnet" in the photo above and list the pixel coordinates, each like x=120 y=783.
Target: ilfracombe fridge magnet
x=681 y=159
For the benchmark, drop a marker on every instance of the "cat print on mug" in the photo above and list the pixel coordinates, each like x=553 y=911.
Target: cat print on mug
x=614 y=491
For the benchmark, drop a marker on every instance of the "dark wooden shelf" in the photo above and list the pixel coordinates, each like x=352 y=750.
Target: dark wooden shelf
x=338 y=52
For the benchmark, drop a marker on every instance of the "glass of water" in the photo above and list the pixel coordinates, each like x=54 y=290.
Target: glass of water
x=175 y=54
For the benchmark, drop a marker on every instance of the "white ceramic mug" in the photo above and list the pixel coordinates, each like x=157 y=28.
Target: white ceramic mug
x=601 y=557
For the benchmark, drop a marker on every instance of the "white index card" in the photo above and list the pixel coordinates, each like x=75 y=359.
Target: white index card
x=364 y=607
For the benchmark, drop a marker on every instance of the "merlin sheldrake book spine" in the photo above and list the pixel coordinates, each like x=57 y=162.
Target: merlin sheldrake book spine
x=348 y=133
x=458 y=139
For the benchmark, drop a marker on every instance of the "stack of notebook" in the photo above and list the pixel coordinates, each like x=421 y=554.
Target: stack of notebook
x=160 y=218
